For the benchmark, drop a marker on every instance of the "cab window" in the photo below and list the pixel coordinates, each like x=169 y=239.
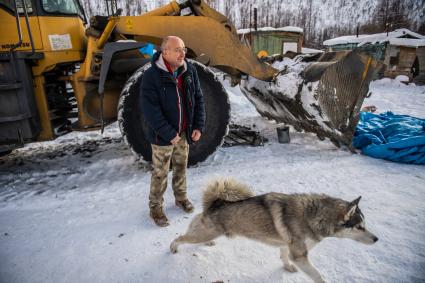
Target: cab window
x=67 y=7
x=9 y=4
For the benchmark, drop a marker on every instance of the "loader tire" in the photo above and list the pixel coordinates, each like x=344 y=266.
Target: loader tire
x=133 y=125
x=4 y=153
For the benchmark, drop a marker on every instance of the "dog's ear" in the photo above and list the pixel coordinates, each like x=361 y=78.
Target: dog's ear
x=350 y=212
x=352 y=206
x=355 y=202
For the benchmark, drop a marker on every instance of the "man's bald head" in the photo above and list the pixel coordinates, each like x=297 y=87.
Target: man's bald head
x=173 y=51
x=171 y=39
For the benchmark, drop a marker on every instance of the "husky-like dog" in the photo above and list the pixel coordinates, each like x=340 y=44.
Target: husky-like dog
x=295 y=222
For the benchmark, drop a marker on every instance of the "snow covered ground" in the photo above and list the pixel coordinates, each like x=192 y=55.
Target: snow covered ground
x=75 y=209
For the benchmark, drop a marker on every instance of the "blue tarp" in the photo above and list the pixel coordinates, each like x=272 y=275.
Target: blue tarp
x=147 y=49
x=398 y=138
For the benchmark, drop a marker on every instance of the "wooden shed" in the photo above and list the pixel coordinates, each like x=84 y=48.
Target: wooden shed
x=269 y=41
x=406 y=57
x=402 y=51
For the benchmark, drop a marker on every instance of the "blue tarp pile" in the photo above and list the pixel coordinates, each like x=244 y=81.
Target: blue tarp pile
x=398 y=138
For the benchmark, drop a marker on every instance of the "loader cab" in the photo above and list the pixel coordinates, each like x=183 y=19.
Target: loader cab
x=45 y=18
x=41 y=41
x=45 y=7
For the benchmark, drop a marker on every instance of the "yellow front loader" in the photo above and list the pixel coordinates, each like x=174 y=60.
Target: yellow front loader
x=58 y=74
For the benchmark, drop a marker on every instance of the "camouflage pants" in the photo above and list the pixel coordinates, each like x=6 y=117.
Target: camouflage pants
x=161 y=157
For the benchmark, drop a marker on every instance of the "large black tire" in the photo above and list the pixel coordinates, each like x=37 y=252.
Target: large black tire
x=4 y=153
x=133 y=125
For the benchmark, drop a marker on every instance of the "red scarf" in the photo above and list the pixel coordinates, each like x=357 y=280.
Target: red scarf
x=181 y=91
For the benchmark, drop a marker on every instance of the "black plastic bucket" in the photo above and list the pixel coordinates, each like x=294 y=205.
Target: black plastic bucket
x=283 y=134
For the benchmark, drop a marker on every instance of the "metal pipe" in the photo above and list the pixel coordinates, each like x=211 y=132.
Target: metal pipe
x=107 y=32
x=28 y=27
x=250 y=25
x=18 y=24
x=255 y=18
x=171 y=9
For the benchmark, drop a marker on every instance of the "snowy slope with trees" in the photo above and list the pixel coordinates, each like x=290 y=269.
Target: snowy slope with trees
x=320 y=19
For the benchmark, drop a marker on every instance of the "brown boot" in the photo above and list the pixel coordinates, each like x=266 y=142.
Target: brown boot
x=186 y=205
x=159 y=217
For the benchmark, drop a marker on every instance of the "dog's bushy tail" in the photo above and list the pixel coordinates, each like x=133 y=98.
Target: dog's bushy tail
x=225 y=189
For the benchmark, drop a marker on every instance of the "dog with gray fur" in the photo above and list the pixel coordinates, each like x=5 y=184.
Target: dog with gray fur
x=294 y=222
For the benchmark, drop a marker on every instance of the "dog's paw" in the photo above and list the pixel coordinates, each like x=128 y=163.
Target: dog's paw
x=173 y=248
x=319 y=280
x=290 y=268
x=210 y=244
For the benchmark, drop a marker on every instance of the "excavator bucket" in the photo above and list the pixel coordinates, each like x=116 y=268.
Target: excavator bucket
x=322 y=97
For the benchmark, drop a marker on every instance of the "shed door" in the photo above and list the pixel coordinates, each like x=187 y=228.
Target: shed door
x=289 y=46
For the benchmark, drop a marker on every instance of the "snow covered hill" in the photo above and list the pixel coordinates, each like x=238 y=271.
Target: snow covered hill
x=75 y=209
x=320 y=19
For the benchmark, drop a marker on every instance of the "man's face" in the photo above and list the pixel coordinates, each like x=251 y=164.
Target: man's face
x=174 y=53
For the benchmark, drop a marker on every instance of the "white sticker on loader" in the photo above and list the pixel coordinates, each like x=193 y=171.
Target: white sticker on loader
x=60 y=41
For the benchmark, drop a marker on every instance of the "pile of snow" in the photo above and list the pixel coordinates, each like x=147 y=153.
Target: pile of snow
x=286 y=87
x=240 y=110
x=397 y=96
x=286 y=83
x=402 y=79
x=287 y=28
x=408 y=42
x=306 y=50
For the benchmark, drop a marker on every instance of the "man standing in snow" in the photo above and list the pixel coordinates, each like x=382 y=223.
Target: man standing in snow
x=173 y=106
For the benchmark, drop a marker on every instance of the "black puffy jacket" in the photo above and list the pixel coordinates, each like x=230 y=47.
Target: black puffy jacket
x=162 y=104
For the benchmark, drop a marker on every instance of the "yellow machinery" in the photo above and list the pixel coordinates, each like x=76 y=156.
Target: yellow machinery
x=56 y=75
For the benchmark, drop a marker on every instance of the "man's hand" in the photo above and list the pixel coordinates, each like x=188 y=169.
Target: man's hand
x=196 y=135
x=175 y=140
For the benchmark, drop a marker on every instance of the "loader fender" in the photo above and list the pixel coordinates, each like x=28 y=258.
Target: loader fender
x=217 y=107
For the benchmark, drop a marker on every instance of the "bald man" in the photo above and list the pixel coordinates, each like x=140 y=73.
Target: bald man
x=173 y=106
